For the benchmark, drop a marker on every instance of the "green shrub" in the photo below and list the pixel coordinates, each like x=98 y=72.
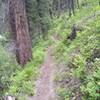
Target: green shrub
x=80 y=53
x=8 y=66
x=23 y=82
x=63 y=93
x=91 y=88
x=80 y=64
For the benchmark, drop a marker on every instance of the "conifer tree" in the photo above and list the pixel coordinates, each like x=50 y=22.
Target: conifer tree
x=20 y=31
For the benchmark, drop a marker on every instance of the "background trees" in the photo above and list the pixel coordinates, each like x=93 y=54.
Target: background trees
x=40 y=13
x=35 y=18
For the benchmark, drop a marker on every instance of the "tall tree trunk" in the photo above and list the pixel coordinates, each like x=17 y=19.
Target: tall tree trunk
x=69 y=7
x=78 y=5
x=19 y=26
x=72 y=6
x=59 y=8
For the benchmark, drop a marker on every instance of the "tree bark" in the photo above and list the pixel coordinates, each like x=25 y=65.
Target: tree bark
x=69 y=7
x=78 y=5
x=19 y=27
x=73 y=6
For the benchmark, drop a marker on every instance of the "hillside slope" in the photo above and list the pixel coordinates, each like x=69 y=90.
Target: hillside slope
x=77 y=74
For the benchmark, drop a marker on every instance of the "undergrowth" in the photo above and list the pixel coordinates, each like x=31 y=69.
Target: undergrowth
x=23 y=82
x=81 y=56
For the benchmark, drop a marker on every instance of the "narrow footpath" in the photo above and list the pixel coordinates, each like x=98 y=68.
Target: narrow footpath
x=44 y=85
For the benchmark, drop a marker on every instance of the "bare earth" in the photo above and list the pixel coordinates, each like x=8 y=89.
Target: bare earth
x=44 y=85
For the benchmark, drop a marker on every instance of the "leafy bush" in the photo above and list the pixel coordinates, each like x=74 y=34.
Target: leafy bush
x=81 y=54
x=80 y=64
x=91 y=88
x=8 y=66
x=23 y=82
x=63 y=93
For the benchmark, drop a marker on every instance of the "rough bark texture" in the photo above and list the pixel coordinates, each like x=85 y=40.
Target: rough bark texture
x=19 y=26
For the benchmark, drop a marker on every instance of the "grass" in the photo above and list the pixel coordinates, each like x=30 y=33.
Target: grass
x=23 y=81
x=63 y=24
x=77 y=54
x=73 y=54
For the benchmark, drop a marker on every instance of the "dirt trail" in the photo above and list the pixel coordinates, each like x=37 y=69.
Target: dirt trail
x=44 y=85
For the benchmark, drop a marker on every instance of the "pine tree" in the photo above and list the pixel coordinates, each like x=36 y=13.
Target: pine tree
x=20 y=31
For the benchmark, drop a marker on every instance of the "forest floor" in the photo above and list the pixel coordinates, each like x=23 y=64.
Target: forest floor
x=44 y=85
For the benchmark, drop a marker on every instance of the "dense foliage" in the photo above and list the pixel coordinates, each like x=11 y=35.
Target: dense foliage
x=8 y=67
x=77 y=74
x=80 y=57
